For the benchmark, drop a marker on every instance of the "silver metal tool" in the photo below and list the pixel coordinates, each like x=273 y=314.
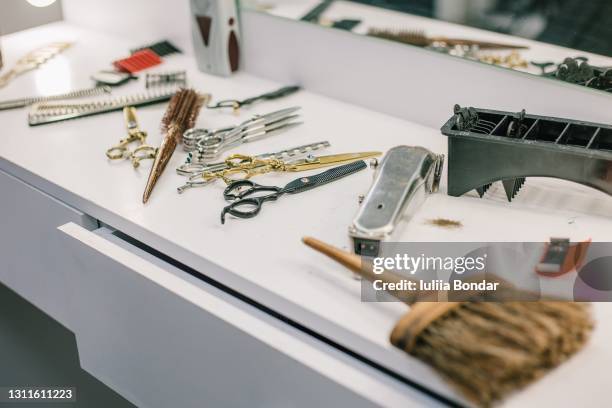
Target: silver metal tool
x=190 y=168
x=210 y=144
x=45 y=113
x=191 y=137
x=169 y=78
x=23 y=102
x=196 y=179
x=403 y=178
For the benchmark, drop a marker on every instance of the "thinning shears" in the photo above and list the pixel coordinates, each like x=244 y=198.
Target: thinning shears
x=247 y=197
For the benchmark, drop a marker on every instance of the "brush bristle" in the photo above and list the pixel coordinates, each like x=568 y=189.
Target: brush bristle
x=182 y=112
x=412 y=37
x=488 y=350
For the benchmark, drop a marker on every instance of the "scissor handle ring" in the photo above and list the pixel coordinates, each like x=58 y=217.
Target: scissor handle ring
x=117 y=152
x=238 y=160
x=234 y=208
x=144 y=152
x=229 y=194
x=189 y=169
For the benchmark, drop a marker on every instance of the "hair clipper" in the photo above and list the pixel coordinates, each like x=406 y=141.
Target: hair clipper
x=403 y=178
x=216 y=36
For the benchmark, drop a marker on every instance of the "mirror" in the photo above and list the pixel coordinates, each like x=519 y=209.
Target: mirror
x=568 y=40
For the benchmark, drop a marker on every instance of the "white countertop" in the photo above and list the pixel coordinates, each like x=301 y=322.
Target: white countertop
x=263 y=257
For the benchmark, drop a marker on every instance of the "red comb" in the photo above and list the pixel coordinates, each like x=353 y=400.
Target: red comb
x=138 y=61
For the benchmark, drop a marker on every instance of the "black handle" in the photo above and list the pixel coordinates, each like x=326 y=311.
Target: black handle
x=279 y=93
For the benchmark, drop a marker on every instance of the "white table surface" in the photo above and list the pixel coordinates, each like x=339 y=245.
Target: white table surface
x=264 y=257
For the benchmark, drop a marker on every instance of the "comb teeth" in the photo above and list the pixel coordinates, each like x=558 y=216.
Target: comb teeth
x=512 y=186
x=57 y=111
x=482 y=190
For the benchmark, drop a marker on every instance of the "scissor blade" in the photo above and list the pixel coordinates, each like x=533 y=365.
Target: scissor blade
x=273 y=116
x=270 y=129
x=324 y=161
x=269 y=125
x=277 y=126
x=336 y=173
x=259 y=122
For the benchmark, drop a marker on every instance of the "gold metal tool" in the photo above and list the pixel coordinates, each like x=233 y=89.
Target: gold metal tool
x=121 y=151
x=249 y=166
x=33 y=60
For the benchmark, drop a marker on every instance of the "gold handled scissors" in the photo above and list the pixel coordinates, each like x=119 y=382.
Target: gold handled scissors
x=249 y=166
x=121 y=151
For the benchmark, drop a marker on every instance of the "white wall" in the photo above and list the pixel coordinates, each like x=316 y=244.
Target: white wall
x=16 y=15
x=145 y=21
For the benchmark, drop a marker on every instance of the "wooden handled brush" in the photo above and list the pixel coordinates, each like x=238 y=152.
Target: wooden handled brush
x=180 y=115
x=485 y=349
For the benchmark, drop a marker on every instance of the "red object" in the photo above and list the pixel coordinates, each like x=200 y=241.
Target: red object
x=138 y=61
x=574 y=258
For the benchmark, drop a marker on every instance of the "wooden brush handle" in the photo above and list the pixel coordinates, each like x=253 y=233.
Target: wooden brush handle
x=354 y=263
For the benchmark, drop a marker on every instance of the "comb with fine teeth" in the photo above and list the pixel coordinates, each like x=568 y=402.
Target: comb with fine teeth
x=485 y=146
x=45 y=113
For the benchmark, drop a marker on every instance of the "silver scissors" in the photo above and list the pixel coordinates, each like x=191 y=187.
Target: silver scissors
x=213 y=143
x=194 y=170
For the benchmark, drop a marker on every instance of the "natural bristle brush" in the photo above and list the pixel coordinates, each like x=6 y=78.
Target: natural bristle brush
x=486 y=350
x=180 y=115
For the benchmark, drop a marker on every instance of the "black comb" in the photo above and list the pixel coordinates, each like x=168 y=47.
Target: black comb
x=485 y=146
x=161 y=48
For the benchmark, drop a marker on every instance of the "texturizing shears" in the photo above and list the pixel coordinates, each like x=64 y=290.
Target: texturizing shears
x=247 y=197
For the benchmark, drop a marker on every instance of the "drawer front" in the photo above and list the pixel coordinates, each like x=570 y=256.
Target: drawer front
x=161 y=337
x=33 y=263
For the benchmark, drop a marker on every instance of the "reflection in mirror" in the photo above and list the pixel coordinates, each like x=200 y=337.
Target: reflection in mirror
x=568 y=40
